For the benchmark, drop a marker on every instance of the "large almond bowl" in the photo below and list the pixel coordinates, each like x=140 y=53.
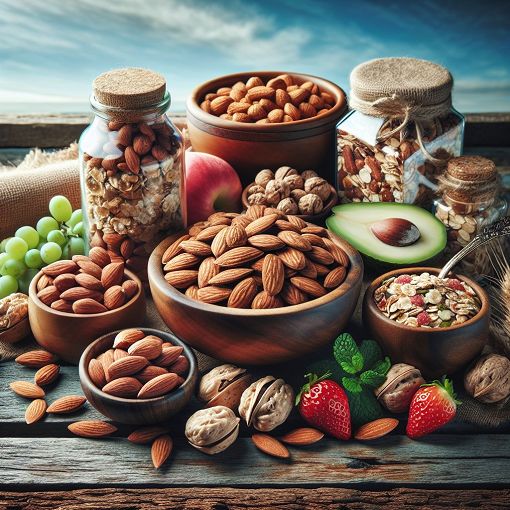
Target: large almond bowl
x=256 y=337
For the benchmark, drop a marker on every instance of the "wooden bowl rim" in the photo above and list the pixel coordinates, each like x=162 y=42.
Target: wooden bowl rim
x=332 y=201
x=355 y=274
x=22 y=325
x=193 y=106
x=32 y=294
x=192 y=373
x=369 y=299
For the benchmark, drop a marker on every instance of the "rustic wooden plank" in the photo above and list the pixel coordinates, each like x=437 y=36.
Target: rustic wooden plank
x=256 y=499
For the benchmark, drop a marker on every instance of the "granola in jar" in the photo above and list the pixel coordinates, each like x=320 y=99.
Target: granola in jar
x=426 y=301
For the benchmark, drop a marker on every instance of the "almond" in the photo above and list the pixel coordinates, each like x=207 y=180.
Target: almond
x=132 y=159
x=328 y=98
x=237 y=107
x=314 y=239
x=106 y=359
x=145 y=435
x=235 y=236
x=150 y=372
x=219 y=243
x=89 y=267
x=198 y=248
x=43 y=282
x=212 y=294
x=130 y=288
x=182 y=279
x=77 y=293
x=126 y=248
x=292 y=295
x=376 y=429
x=309 y=270
x=182 y=261
x=321 y=269
x=270 y=445
x=209 y=233
x=261 y=224
x=112 y=274
x=97 y=373
x=147 y=131
x=113 y=240
x=296 y=221
x=320 y=255
x=238 y=256
x=99 y=256
x=48 y=295
x=259 y=92
x=158 y=386
x=277 y=83
x=335 y=277
x=114 y=297
x=265 y=300
x=219 y=105
x=308 y=286
x=302 y=436
x=119 y=354
x=67 y=404
x=254 y=81
x=60 y=267
x=88 y=306
x=35 y=411
x=149 y=347
x=316 y=101
x=307 y=110
x=299 y=95
x=124 y=135
x=294 y=240
x=243 y=294
x=127 y=337
x=292 y=258
x=169 y=355
x=92 y=428
x=192 y=292
x=337 y=253
x=273 y=274
x=268 y=105
x=124 y=387
x=230 y=276
x=174 y=249
x=125 y=366
x=36 y=359
x=27 y=389
x=46 y=375
x=241 y=117
x=159 y=152
x=255 y=211
x=266 y=242
x=161 y=450
x=142 y=144
x=64 y=281
x=287 y=225
x=180 y=367
x=256 y=112
x=88 y=281
x=293 y=112
x=207 y=270
x=282 y=98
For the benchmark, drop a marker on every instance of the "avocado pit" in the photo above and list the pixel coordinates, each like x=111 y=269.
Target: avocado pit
x=396 y=231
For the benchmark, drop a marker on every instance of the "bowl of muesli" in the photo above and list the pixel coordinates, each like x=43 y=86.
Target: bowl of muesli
x=436 y=325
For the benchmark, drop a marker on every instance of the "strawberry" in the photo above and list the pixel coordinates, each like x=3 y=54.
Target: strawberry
x=323 y=404
x=433 y=406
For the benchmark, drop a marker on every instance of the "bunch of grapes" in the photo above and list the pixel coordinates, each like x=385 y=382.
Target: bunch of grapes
x=55 y=237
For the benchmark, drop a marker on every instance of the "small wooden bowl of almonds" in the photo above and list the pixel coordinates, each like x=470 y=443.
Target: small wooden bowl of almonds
x=138 y=376
x=256 y=288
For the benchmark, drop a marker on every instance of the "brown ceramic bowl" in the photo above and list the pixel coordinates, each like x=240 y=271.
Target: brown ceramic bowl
x=132 y=410
x=67 y=334
x=317 y=219
x=256 y=337
x=435 y=351
x=249 y=147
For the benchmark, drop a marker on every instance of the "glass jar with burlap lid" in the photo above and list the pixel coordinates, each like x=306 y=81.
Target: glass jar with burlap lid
x=401 y=132
x=132 y=166
x=469 y=201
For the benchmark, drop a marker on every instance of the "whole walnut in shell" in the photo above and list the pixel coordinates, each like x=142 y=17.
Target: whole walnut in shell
x=488 y=380
x=257 y=198
x=263 y=177
x=297 y=194
x=318 y=186
x=288 y=206
x=284 y=171
x=310 y=204
x=402 y=382
x=276 y=191
x=294 y=182
x=256 y=188
x=308 y=174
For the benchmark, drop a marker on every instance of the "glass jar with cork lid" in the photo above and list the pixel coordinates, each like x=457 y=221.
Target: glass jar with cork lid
x=400 y=133
x=132 y=166
x=470 y=200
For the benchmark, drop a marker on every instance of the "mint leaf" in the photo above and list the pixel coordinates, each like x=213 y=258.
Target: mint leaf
x=372 y=378
x=364 y=407
x=351 y=384
x=371 y=352
x=382 y=366
x=357 y=361
x=348 y=367
x=345 y=350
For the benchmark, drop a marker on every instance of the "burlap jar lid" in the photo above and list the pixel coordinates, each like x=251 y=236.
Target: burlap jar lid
x=130 y=88
x=472 y=168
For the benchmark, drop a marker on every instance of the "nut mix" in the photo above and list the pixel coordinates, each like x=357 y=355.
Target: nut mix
x=138 y=366
x=86 y=285
x=261 y=259
x=280 y=99
x=427 y=301
x=289 y=191
x=13 y=309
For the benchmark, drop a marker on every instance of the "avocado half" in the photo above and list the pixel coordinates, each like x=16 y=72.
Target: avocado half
x=354 y=222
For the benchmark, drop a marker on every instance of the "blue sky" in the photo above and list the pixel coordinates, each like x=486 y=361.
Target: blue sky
x=50 y=50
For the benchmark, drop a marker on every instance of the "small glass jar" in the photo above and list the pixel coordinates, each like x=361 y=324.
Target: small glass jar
x=395 y=143
x=470 y=200
x=132 y=167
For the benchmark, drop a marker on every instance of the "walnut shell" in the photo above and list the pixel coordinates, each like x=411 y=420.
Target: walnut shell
x=288 y=206
x=13 y=309
x=257 y=198
x=318 y=186
x=402 y=382
x=488 y=380
x=256 y=188
x=284 y=171
x=276 y=191
x=308 y=174
x=294 y=182
x=263 y=177
x=297 y=194
x=310 y=204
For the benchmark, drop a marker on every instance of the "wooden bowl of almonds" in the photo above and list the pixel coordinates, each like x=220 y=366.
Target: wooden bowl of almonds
x=256 y=288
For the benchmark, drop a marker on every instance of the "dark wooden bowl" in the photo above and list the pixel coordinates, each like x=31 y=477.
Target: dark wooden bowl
x=435 y=351
x=256 y=337
x=137 y=411
x=67 y=334
x=16 y=333
x=248 y=147
x=317 y=219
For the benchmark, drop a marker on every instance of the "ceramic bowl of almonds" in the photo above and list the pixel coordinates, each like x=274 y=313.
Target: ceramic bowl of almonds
x=436 y=325
x=304 y=194
x=255 y=288
x=138 y=376
x=73 y=302
x=267 y=119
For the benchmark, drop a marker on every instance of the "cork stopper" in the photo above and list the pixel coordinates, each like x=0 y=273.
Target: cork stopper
x=472 y=168
x=130 y=88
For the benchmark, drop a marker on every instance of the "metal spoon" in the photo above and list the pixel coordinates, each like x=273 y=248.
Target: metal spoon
x=497 y=229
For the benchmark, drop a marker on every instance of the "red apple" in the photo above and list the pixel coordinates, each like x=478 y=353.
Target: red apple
x=211 y=185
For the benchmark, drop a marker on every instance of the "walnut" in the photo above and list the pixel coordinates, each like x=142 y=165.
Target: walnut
x=276 y=191
x=257 y=188
x=294 y=182
x=257 y=198
x=310 y=204
x=263 y=177
x=288 y=206
x=318 y=186
x=13 y=308
x=297 y=194
x=308 y=174
x=488 y=380
x=284 y=171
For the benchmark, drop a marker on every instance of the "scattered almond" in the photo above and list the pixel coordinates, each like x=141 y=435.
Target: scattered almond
x=270 y=445
x=36 y=359
x=46 y=375
x=302 y=436
x=67 y=404
x=145 y=435
x=35 y=411
x=92 y=428
x=27 y=389
x=376 y=429
x=161 y=449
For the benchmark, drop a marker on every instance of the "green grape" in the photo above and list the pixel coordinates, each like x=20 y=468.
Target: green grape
x=60 y=208
x=8 y=285
x=76 y=246
x=14 y=268
x=33 y=259
x=78 y=228
x=3 y=243
x=4 y=257
x=75 y=218
x=45 y=225
x=56 y=236
x=29 y=235
x=51 y=252
x=26 y=279
x=66 y=254
x=16 y=248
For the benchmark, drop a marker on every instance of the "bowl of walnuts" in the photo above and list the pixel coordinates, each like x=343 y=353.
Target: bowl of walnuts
x=303 y=194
